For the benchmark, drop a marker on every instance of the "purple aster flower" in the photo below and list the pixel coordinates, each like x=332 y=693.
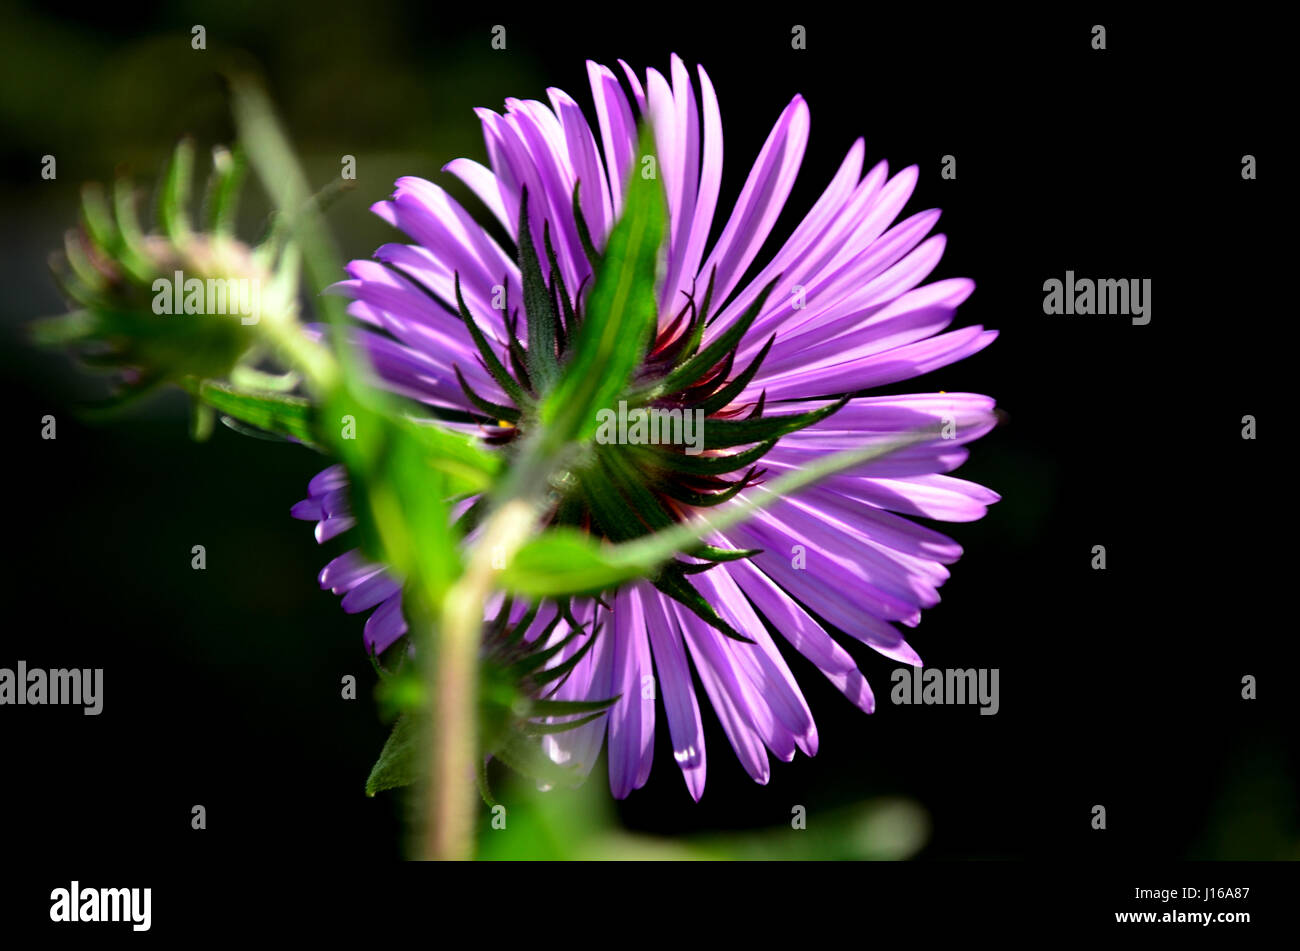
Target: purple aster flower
x=837 y=311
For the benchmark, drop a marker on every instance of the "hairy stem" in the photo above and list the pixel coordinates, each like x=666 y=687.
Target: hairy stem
x=453 y=684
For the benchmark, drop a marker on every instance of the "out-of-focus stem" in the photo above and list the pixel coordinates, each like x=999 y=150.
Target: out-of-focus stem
x=309 y=357
x=453 y=684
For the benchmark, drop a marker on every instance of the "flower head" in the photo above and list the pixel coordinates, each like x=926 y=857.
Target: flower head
x=168 y=305
x=771 y=362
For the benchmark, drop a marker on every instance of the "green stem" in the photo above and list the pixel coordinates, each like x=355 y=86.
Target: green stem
x=312 y=359
x=453 y=668
x=453 y=685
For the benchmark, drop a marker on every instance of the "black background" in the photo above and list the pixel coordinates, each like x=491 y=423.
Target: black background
x=1119 y=687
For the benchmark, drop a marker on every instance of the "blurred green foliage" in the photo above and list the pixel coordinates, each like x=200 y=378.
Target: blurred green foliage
x=560 y=824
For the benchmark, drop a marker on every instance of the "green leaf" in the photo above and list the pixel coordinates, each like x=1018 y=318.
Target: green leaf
x=271 y=156
x=461 y=458
x=399 y=760
x=290 y=416
x=621 y=314
x=715 y=554
x=564 y=561
x=525 y=755
x=408 y=472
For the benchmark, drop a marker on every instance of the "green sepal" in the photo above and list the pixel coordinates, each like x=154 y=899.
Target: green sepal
x=175 y=195
x=222 y=200
x=706 y=465
x=707 y=499
x=648 y=510
x=694 y=569
x=97 y=219
x=559 y=294
x=539 y=307
x=494 y=367
x=736 y=385
x=709 y=357
x=724 y=433
x=493 y=410
x=584 y=233
x=529 y=728
x=481 y=780
x=672 y=582
x=538 y=658
x=611 y=513
x=564 y=708
x=91 y=280
x=694 y=333
x=63 y=328
x=560 y=670
x=128 y=249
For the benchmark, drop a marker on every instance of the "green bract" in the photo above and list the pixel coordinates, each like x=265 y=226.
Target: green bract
x=165 y=305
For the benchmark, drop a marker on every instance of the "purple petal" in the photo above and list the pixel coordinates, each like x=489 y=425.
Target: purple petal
x=385 y=625
x=741 y=719
x=347 y=571
x=617 y=133
x=761 y=199
x=680 y=704
x=631 y=719
x=805 y=634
